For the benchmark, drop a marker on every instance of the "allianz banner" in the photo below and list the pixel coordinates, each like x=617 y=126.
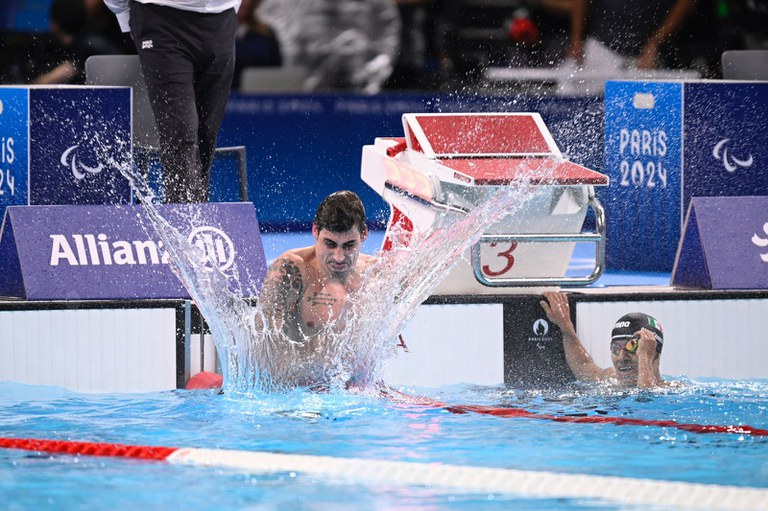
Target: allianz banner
x=112 y=252
x=64 y=145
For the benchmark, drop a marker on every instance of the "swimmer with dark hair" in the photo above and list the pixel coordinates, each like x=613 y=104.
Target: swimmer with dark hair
x=636 y=343
x=306 y=288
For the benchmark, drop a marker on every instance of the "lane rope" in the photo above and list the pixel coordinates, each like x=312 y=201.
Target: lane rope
x=206 y=380
x=402 y=398
x=532 y=484
x=606 y=419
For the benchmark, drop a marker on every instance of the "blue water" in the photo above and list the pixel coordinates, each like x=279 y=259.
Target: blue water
x=346 y=425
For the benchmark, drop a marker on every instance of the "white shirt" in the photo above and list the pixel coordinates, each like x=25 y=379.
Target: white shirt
x=121 y=8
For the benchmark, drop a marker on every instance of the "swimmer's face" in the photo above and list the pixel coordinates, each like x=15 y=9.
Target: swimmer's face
x=624 y=358
x=338 y=251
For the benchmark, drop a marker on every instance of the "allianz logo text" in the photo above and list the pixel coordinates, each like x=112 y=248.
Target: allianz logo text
x=98 y=249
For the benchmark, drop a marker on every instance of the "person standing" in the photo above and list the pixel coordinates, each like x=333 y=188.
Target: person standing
x=187 y=54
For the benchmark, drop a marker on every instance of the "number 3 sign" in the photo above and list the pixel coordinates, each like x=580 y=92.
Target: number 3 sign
x=505 y=260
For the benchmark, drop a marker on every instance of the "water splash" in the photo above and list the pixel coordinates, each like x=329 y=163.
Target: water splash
x=352 y=350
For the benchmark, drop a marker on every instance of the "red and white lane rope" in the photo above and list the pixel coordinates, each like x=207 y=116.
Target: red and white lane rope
x=530 y=484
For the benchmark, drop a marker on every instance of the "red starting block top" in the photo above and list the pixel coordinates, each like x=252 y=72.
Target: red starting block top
x=505 y=134
x=538 y=171
x=495 y=148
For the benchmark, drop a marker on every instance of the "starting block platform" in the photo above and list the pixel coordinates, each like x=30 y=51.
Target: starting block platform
x=452 y=163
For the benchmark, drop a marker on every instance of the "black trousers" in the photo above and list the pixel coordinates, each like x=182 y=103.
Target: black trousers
x=187 y=60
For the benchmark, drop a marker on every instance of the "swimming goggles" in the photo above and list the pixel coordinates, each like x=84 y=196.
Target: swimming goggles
x=630 y=346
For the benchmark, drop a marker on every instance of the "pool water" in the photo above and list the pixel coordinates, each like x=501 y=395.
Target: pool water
x=346 y=425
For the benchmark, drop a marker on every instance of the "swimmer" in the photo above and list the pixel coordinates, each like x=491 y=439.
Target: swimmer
x=636 y=343
x=306 y=288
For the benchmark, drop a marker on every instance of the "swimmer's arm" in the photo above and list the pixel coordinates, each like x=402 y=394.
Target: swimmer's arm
x=282 y=289
x=579 y=361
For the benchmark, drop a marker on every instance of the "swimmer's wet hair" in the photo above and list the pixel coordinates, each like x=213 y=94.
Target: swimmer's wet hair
x=340 y=212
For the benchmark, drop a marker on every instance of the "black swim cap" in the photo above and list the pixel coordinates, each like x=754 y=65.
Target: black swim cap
x=630 y=323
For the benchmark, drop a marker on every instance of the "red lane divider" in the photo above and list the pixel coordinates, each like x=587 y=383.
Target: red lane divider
x=511 y=413
x=161 y=453
x=619 y=421
x=88 y=448
x=403 y=398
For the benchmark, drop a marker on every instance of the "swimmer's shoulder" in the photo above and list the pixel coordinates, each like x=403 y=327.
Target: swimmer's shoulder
x=290 y=263
x=298 y=257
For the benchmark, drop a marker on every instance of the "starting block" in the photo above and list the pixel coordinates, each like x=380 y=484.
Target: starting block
x=450 y=163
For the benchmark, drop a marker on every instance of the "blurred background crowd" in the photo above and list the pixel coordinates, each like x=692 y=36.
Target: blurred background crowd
x=378 y=45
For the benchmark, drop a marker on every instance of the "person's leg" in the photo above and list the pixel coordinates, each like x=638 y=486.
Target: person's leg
x=213 y=80
x=159 y=34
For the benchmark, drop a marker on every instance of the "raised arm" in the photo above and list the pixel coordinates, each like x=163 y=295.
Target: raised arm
x=647 y=361
x=579 y=360
x=279 y=297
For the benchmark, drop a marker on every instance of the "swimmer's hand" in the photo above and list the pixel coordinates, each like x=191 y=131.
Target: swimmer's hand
x=646 y=343
x=558 y=311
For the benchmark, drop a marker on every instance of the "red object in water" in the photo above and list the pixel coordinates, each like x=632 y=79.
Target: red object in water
x=88 y=448
x=523 y=30
x=205 y=380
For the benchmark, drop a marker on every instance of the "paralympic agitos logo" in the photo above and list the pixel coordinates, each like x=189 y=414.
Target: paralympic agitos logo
x=730 y=161
x=99 y=249
x=69 y=158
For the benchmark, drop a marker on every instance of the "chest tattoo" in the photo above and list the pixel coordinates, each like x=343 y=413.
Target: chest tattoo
x=320 y=298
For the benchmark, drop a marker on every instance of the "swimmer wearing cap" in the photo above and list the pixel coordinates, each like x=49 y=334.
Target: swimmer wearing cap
x=636 y=343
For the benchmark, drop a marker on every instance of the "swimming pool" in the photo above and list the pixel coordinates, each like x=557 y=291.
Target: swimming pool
x=336 y=426
x=343 y=425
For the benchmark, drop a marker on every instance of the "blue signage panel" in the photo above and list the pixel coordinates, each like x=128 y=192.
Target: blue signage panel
x=726 y=139
x=643 y=158
x=14 y=139
x=702 y=138
x=725 y=245
x=111 y=252
x=79 y=139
